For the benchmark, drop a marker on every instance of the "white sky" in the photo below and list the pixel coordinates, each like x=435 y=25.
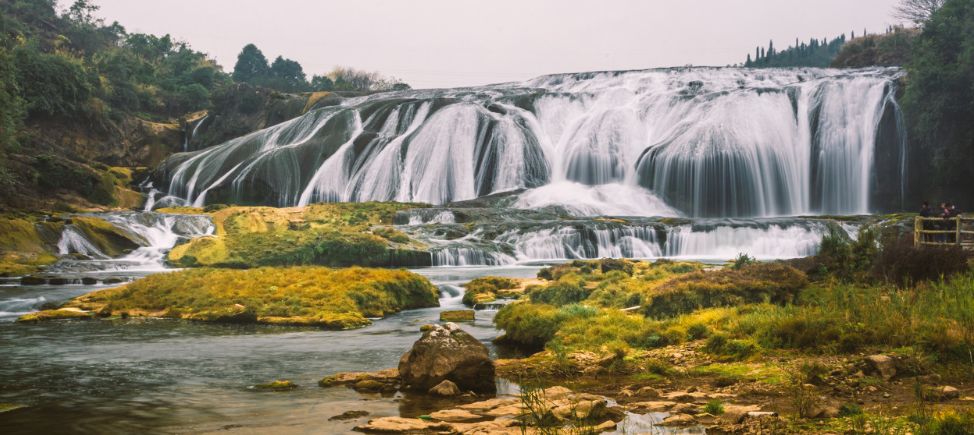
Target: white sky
x=445 y=43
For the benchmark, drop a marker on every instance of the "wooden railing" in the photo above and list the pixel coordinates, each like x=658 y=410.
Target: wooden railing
x=936 y=231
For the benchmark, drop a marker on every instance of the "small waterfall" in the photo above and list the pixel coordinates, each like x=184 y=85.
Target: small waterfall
x=74 y=241
x=191 y=133
x=155 y=233
x=717 y=241
x=697 y=142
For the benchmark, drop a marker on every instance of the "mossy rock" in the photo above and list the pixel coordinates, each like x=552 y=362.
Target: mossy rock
x=300 y=296
x=58 y=314
x=458 y=316
x=108 y=238
x=277 y=385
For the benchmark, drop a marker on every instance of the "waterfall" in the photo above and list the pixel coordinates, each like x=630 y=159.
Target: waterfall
x=155 y=233
x=696 y=142
x=717 y=241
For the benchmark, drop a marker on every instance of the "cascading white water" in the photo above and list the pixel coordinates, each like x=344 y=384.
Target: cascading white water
x=722 y=142
x=74 y=241
x=718 y=241
x=155 y=233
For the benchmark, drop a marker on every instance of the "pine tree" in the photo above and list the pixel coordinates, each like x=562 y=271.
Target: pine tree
x=251 y=65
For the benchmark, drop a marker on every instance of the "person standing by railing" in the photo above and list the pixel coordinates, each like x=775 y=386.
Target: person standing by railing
x=950 y=214
x=925 y=212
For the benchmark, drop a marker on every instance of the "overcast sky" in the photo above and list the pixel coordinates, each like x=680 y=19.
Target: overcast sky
x=445 y=43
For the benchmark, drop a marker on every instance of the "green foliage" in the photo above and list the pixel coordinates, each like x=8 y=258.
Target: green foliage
x=714 y=407
x=949 y=423
x=486 y=289
x=562 y=292
x=742 y=261
x=535 y=325
x=939 y=101
x=728 y=349
x=251 y=65
x=845 y=259
x=815 y=53
x=52 y=84
x=55 y=173
x=894 y=48
x=11 y=104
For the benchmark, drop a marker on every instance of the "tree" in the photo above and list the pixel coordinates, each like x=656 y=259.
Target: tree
x=917 y=11
x=11 y=105
x=251 y=65
x=939 y=101
x=322 y=83
x=287 y=76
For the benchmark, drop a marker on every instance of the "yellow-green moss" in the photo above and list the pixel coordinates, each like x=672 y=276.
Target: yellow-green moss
x=487 y=289
x=341 y=234
x=312 y=296
x=277 y=385
x=457 y=316
x=26 y=244
x=58 y=314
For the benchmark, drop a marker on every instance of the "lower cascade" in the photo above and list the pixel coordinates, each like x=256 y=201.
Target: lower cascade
x=694 y=142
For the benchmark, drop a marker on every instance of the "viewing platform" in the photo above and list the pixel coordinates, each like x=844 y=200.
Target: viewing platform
x=936 y=231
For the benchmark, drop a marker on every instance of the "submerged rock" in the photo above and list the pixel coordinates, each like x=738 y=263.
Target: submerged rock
x=445 y=389
x=457 y=316
x=448 y=353
x=277 y=385
x=401 y=425
x=348 y=415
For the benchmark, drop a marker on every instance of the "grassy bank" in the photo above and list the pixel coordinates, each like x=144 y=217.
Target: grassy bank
x=312 y=296
x=342 y=234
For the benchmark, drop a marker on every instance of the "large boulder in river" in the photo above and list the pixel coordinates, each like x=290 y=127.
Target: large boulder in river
x=447 y=353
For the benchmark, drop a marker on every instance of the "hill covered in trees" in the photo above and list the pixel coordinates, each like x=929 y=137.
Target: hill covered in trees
x=79 y=95
x=814 y=53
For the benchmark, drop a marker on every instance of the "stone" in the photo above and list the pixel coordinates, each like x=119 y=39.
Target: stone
x=455 y=416
x=606 y=426
x=505 y=411
x=445 y=389
x=941 y=394
x=457 y=316
x=487 y=405
x=448 y=353
x=401 y=425
x=368 y=386
x=736 y=413
x=652 y=406
x=679 y=420
x=571 y=410
x=648 y=392
x=556 y=393
x=278 y=385
x=884 y=365
x=493 y=427
x=685 y=408
x=349 y=415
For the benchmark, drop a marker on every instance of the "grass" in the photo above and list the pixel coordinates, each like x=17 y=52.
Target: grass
x=341 y=234
x=26 y=244
x=313 y=296
x=487 y=289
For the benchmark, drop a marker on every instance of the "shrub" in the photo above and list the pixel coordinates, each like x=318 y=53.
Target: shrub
x=714 y=407
x=703 y=289
x=742 y=260
x=901 y=262
x=722 y=346
x=560 y=293
x=486 y=289
x=697 y=331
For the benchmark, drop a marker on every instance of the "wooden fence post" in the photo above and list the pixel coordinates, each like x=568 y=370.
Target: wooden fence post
x=917 y=225
x=958 y=231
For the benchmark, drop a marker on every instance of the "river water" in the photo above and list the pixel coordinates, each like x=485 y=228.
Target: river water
x=151 y=375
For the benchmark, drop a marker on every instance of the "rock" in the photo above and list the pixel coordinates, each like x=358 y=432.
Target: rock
x=401 y=425
x=679 y=420
x=685 y=408
x=514 y=410
x=389 y=380
x=447 y=352
x=606 y=426
x=368 y=386
x=884 y=365
x=89 y=280
x=33 y=280
x=579 y=408
x=487 y=405
x=455 y=416
x=736 y=413
x=823 y=410
x=556 y=393
x=278 y=385
x=652 y=406
x=760 y=414
x=457 y=316
x=445 y=389
x=941 y=394
x=493 y=427
x=349 y=415
x=648 y=392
